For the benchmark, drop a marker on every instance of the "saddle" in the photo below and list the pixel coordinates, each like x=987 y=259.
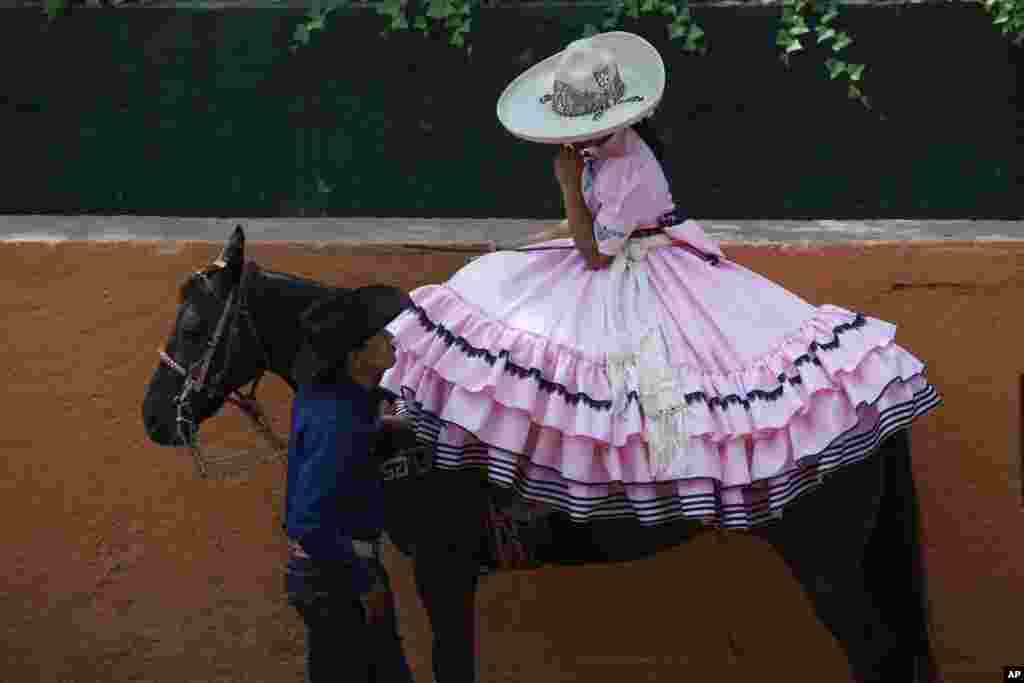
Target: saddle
x=514 y=534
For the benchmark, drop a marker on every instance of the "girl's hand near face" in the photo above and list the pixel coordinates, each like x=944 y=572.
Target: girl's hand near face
x=568 y=167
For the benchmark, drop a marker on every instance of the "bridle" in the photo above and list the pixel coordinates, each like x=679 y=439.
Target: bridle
x=235 y=307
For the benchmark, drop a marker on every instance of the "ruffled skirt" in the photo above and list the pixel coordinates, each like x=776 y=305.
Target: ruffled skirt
x=513 y=365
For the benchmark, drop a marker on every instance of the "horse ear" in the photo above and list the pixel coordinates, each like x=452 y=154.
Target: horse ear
x=233 y=254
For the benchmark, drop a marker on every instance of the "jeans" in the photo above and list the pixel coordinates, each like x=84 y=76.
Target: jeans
x=340 y=646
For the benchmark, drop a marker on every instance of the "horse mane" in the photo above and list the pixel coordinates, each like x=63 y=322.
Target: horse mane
x=299 y=281
x=188 y=281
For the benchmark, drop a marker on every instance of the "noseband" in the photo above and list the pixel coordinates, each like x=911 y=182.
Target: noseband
x=195 y=375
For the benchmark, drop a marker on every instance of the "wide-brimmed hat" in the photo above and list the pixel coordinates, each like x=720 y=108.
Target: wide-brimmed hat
x=593 y=87
x=341 y=323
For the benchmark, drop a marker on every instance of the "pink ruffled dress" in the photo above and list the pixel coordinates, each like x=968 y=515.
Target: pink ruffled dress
x=674 y=383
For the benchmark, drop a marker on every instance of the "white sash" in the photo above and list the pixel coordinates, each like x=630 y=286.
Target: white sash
x=641 y=363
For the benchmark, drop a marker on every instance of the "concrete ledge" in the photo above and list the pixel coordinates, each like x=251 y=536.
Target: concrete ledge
x=403 y=231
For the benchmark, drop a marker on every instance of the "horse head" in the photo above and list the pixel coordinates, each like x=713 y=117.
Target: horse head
x=213 y=350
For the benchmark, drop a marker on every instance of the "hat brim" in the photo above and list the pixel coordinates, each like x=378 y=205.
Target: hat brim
x=521 y=112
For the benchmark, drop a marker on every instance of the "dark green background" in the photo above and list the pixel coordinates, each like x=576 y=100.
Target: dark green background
x=207 y=113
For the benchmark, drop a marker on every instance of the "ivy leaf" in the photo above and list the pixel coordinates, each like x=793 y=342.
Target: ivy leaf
x=782 y=38
x=389 y=7
x=825 y=33
x=842 y=40
x=855 y=71
x=853 y=92
x=835 y=68
x=829 y=16
x=633 y=9
x=399 y=23
x=648 y=6
x=669 y=9
x=301 y=34
x=457 y=40
x=613 y=15
x=696 y=32
x=439 y=9
x=794 y=46
x=676 y=30
x=421 y=24
x=799 y=28
x=52 y=8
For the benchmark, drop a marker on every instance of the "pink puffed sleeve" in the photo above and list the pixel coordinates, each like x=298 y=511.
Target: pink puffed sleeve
x=631 y=193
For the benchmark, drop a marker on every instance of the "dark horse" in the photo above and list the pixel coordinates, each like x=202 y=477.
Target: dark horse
x=862 y=572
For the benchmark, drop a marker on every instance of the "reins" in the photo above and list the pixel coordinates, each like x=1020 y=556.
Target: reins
x=236 y=306
x=195 y=376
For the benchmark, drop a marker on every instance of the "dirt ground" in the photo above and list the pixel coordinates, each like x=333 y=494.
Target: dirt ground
x=121 y=566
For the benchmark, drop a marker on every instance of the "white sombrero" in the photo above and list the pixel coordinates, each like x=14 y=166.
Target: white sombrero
x=592 y=88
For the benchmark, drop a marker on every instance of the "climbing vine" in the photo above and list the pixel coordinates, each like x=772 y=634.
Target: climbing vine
x=1009 y=16
x=803 y=24
x=452 y=17
x=806 y=20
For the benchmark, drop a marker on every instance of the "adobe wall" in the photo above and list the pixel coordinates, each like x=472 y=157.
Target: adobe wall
x=121 y=566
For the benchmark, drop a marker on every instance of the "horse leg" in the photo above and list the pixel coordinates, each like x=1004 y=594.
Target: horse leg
x=822 y=539
x=447 y=568
x=894 y=565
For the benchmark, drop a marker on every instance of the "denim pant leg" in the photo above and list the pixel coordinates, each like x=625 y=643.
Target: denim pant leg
x=388 y=663
x=340 y=645
x=334 y=624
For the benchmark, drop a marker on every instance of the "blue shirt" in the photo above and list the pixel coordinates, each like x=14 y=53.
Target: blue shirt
x=334 y=490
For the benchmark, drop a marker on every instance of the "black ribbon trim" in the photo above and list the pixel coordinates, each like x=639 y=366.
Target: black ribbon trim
x=574 y=398
x=600 y=112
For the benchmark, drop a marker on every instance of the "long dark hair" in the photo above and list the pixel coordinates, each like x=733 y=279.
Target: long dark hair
x=650 y=134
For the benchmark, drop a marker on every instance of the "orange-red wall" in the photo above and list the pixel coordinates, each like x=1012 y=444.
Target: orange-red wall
x=121 y=566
